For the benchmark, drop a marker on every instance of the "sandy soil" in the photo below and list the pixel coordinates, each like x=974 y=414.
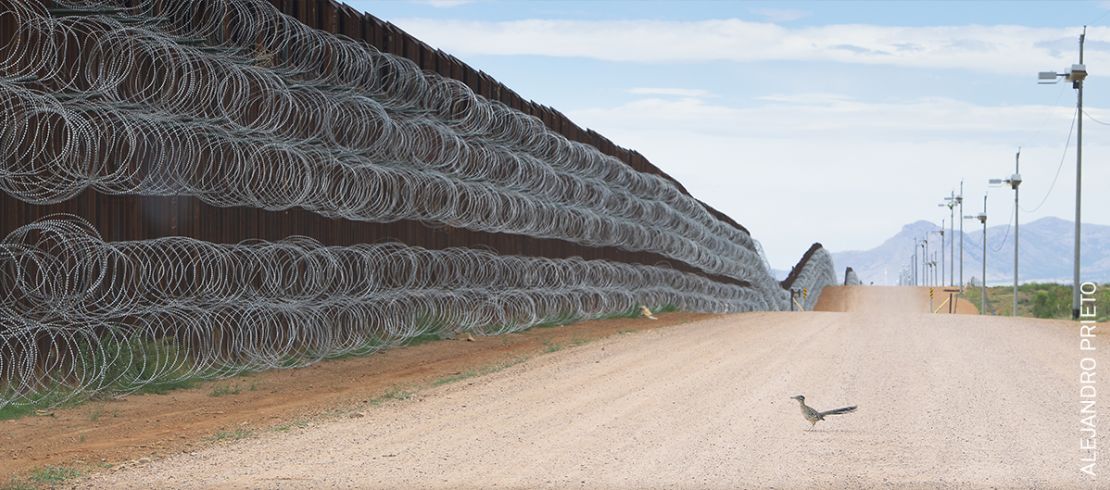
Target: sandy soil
x=946 y=401
x=95 y=435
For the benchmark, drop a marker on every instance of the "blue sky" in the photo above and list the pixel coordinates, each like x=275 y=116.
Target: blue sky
x=810 y=121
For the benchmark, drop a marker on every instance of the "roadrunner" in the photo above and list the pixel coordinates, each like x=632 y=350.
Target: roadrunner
x=813 y=415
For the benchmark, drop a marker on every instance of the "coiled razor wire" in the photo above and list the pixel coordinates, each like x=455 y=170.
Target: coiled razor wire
x=817 y=272
x=88 y=315
x=239 y=105
x=851 y=278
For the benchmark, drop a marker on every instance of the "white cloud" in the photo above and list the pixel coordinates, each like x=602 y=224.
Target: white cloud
x=850 y=173
x=781 y=15
x=1005 y=49
x=814 y=114
x=805 y=98
x=676 y=92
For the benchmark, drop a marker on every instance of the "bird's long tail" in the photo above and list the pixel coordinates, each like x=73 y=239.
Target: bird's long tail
x=840 y=411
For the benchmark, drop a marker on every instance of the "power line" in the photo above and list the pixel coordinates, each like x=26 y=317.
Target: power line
x=1007 y=235
x=1089 y=116
x=1103 y=16
x=1067 y=144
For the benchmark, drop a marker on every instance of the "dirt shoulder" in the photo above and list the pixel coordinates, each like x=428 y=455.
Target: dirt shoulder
x=103 y=434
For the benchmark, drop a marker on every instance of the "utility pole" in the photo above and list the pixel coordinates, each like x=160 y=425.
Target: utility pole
x=942 y=251
x=918 y=274
x=983 y=219
x=951 y=201
x=952 y=244
x=913 y=263
x=935 y=281
x=1076 y=76
x=1078 y=84
x=925 y=257
x=960 y=201
x=1015 y=181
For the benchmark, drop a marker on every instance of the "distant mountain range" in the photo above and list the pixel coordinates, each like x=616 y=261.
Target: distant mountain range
x=1045 y=253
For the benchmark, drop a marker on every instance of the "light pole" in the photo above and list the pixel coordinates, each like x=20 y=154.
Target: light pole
x=951 y=247
x=941 y=251
x=960 y=201
x=930 y=268
x=982 y=217
x=1014 y=181
x=913 y=263
x=951 y=204
x=925 y=257
x=1076 y=76
x=930 y=263
x=934 y=266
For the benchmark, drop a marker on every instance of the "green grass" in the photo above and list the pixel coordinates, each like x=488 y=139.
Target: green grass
x=435 y=326
x=225 y=390
x=163 y=387
x=131 y=365
x=666 y=309
x=394 y=393
x=633 y=312
x=564 y=319
x=558 y=320
x=452 y=378
x=482 y=371
x=45 y=477
x=148 y=365
x=231 y=435
x=95 y=414
x=368 y=347
x=298 y=423
x=17 y=411
x=549 y=346
x=15 y=484
x=51 y=475
x=421 y=339
x=49 y=400
x=1039 y=300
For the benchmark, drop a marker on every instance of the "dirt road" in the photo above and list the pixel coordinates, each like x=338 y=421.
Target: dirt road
x=944 y=401
x=97 y=434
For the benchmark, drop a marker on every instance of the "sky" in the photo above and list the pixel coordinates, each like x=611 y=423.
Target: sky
x=836 y=122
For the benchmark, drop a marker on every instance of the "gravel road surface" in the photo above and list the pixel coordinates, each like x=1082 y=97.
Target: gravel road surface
x=945 y=401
